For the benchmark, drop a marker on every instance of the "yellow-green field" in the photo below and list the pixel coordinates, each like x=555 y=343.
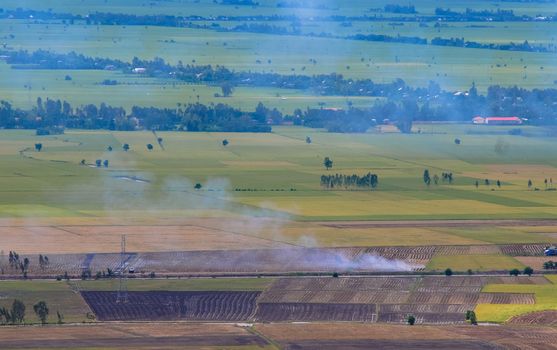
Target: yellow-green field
x=546 y=299
x=278 y=175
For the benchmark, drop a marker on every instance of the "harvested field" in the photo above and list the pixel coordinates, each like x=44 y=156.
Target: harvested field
x=431 y=299
x=535 y=262
x=272 y=260
x=523 y=249
x=422 y=317
x=548 y=318
x=192 y=306
x=106 y=238
x=390 y=336
x=129 y=336
x=281 y=312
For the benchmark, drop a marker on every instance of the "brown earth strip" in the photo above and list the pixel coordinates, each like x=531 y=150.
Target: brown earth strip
x=436 y=223
x=392 y=345
x=142 y=342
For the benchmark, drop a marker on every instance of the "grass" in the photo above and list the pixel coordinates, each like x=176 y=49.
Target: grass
x=487 y=262
x=58 y=296
x=546 y=299
x=281 y=173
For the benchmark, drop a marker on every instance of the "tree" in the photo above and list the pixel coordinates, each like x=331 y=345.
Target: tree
x=18 y=312
x=98 y=162
x=126 y=147
x=427 y=179
x=328 y=163
x=477 y=183
x=83 y=162
x=225 y=142
x=41 y=310
x=448 y=272
x=308 y=140
x=471 y=316
x=109 y=148
x=457 y=141
x=498 y=183
x=60 y=317
x=197 y=186
x=411 y=320
x=105 y=163
x=38 y=147
x=528 y=271
x=227 y=89
x=436 y=179
x=486 y=182
x=530 y=183
x=514 y=272
x=335 y=274
x=149 y=147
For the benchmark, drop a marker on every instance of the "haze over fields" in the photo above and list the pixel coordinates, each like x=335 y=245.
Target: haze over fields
x=278 y=174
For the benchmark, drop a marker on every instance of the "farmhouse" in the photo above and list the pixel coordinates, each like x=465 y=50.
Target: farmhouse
x=497 y=120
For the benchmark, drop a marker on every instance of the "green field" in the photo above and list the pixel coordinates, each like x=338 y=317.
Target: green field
x=476 y=263
x=278 y=174
x=546 y=299
x=452 y=68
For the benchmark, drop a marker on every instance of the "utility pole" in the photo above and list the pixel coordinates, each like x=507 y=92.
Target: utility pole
x=122 y=296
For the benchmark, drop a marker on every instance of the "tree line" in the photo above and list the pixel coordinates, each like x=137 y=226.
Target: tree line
x=403 y=13
x=187 y=117
x=368 y=181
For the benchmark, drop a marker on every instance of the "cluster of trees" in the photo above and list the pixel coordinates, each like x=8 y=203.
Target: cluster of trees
x=390 y=39
x=445 y=177
x=527 y=271
x=395 y=8
x=16 y=314
x=460 y=42
x=472 y=15
x=190 y=117
x=367 y=181
x=550 y=265
x=16 y=263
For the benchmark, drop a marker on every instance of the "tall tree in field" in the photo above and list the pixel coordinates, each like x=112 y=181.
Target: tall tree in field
x=41 y=310
x=18 y=312
x=427 y=178
x=308 y=139
x=126 y=147
x=328 y=163
x=38 y=147
x=530 y=183
x=149 y=147
x=227 y=89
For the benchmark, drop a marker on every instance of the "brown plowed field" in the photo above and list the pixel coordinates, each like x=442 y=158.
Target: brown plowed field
x=193 y=306
x=548 y=318
x=425 y=308
x=423 y=318
x=273 y=312
x=523 y=249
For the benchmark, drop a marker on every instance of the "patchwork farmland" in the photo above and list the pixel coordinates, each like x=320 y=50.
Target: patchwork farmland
x=432 y=300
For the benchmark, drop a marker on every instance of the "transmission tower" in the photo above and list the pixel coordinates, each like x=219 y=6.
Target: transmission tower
x=122 y=296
